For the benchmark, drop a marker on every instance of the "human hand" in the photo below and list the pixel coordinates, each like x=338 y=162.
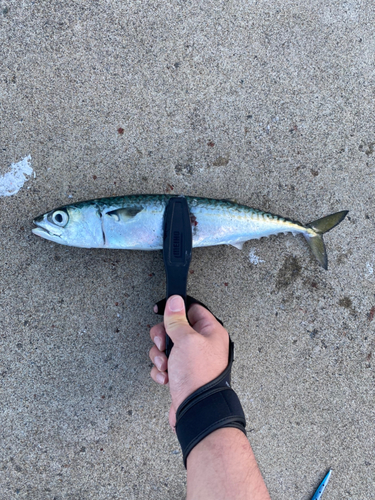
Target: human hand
x=199 y=355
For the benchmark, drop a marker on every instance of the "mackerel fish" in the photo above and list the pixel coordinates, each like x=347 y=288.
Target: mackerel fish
x=135 y=222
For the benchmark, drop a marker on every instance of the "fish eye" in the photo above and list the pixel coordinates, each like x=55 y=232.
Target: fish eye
x=60 y=218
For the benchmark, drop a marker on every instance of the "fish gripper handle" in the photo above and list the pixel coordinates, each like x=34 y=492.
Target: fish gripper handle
x=177 y=248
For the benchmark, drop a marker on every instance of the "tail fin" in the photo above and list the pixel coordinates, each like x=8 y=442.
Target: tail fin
x=320 y=227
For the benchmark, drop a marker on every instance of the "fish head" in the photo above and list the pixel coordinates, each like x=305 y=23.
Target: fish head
x=73 y=225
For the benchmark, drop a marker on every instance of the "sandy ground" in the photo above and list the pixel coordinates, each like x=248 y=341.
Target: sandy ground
x=268 y=102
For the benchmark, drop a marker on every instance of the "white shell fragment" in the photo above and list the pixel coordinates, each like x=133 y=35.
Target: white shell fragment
x=12 y=181
x=254 y=259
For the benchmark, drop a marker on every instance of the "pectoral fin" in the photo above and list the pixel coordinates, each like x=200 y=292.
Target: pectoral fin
x=124 y=214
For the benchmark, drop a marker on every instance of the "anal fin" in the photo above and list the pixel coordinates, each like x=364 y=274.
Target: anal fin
x=238 y=245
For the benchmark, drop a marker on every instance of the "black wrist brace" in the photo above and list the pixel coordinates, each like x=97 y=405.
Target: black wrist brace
x=211 y=407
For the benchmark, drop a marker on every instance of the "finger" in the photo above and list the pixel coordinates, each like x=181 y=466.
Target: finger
x=175 y=320
x=202 y=320
x=160 y=306
x=157 y=334
x=159 y=359
x=159 y=377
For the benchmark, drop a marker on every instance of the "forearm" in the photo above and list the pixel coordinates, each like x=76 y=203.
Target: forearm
x=223 y=467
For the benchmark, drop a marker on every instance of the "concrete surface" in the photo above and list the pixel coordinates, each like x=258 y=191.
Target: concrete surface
x=268 y=102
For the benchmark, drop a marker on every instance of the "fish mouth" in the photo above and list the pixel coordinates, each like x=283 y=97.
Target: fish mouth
x=45 y=233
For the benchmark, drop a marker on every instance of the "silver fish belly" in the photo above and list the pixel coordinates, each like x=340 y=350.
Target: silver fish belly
x=136 y=223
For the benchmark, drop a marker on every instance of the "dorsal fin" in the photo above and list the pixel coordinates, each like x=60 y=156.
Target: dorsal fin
x=231 y=200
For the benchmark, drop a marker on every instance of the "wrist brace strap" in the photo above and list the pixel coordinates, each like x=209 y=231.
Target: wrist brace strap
x=211 y=407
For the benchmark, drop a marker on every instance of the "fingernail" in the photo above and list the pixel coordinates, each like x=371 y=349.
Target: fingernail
x=160 y=378
x=157 y=341
x=155 y=309
x=158 y=362
x=176 y=304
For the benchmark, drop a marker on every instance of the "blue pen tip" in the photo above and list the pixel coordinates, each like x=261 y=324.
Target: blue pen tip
x=326 y=479
x=321 y=488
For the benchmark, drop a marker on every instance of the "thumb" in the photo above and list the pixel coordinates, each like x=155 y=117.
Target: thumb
x=175 y=321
